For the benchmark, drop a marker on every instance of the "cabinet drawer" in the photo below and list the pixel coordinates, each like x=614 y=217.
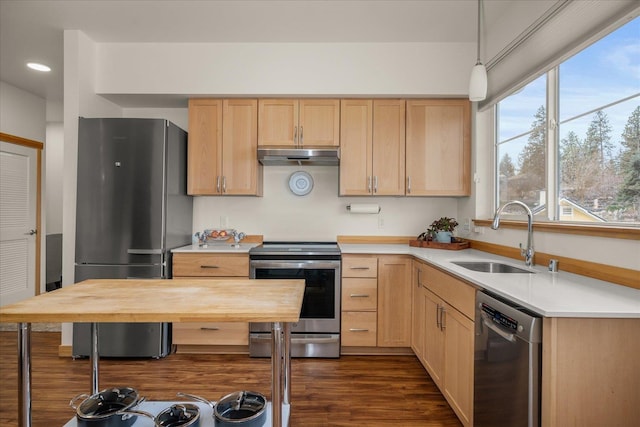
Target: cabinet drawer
x=226 y=333
x=359 y=294
x=359 y=328
x=210 y=265
x=359 y=266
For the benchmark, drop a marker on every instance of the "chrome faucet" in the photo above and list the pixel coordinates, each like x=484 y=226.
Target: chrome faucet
x=528 y=252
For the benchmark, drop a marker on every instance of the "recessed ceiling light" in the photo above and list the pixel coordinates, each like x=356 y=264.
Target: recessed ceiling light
x=38 y=67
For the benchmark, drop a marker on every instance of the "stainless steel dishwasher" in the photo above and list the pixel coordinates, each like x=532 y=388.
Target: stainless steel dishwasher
x=507 y=365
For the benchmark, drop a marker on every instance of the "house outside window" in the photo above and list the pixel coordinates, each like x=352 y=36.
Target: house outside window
x=583 y=159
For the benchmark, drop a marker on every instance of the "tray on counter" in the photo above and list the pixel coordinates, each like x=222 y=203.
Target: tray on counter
x=453 y=246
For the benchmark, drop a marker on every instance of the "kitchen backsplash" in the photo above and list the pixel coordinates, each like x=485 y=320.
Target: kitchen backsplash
x=320 y=215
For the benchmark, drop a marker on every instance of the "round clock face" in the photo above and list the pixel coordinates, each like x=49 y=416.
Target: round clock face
x=300 y=183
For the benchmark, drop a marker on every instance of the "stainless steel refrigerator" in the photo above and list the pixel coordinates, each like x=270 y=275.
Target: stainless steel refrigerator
x=132 y=209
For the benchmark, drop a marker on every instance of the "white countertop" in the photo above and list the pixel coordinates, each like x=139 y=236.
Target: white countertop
x=217 y=247
x=558 y=294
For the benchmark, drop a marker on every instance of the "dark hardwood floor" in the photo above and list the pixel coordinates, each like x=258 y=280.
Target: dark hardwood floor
x=350 y=391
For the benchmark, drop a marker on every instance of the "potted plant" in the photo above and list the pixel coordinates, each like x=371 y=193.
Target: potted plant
x=441 y=230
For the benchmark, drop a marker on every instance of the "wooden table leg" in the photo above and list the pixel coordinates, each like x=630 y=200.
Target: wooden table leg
x=24 y=374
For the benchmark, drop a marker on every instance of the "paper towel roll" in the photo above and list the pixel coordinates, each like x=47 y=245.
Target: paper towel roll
x=363 y=208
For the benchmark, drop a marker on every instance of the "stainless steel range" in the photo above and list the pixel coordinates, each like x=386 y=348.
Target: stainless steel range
x=317 y=334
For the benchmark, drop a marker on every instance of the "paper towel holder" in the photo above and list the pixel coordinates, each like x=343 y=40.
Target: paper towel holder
x=364 y=208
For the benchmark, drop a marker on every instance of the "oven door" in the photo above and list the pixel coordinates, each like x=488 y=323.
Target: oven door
x=321 y=303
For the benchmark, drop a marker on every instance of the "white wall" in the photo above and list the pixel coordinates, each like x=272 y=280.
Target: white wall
x=249 y=69
x=22 y=113
x=320 y=215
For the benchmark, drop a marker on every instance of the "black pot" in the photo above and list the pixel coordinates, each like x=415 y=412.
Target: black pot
x=177 y=415
x=242 y=408
x=102 y=409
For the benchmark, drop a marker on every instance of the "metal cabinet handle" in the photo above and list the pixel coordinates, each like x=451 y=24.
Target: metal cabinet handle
x=295 y=135
x=358 y=330
x=301 y=136
x=369 y=184
x=359 y=268
x=359 y=295
x=409 y=184
x=443 y=316
x=204 y=328
x=438 y=316
x=224 y=184
x=375 y=184
x=217 y=184
x=419 y=284
x=31 y=232
x=209 y=266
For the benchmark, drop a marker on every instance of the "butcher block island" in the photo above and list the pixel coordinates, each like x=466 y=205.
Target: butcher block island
x=180 y=300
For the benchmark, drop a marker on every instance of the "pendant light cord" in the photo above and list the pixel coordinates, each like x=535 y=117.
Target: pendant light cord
x=478 y=58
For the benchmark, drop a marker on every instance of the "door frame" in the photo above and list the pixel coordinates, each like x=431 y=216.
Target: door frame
x=24 y=142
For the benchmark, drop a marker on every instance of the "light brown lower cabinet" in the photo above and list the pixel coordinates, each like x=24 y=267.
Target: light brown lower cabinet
x=590 y=372
x=376 y=302
x=443 y=337
x=227 y=337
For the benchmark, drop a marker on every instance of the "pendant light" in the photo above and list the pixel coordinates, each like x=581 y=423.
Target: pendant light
x=478 y=81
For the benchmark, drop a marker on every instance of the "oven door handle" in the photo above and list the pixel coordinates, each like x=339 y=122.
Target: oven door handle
x=296 y=340
x=489 y=324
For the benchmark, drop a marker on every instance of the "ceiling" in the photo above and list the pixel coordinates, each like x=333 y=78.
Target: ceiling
x=32 y=30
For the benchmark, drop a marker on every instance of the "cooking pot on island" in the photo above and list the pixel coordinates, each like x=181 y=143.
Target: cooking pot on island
x=102 y=409
x=177 y=415
x=238 y=409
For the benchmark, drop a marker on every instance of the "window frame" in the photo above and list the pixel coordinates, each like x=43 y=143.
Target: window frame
x=551 y=221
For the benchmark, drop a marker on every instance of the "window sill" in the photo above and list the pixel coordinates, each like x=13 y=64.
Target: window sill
x=610 y=231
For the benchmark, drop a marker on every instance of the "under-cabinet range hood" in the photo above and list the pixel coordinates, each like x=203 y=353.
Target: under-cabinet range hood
x=288 y=156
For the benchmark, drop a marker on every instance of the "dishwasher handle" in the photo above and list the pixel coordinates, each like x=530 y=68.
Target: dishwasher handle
x=489 y=324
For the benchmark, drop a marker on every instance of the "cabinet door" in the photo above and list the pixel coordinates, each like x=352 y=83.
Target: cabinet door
x=356 y=121
x=438 y=147
x=319 y=123
x=277 y=122
x=204 y=147
x=458 y=370
x=241 y=172
x=394 y=301
x=388 y=147
x=418 y=323
x=433 y=337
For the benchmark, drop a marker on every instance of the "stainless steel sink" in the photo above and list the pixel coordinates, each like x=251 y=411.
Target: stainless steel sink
x=491 y=267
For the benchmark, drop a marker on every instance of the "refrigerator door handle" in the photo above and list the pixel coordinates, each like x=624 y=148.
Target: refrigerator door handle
x=144 y=251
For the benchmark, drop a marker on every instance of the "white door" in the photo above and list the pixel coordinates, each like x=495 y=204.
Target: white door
x=18 y=193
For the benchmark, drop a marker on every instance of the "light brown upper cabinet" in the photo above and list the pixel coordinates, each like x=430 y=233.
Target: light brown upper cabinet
x=299 y=122
x=438 y=147
x=372 y=147
x=222 y=150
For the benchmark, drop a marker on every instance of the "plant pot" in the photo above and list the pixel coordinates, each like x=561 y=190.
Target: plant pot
x=444 y=236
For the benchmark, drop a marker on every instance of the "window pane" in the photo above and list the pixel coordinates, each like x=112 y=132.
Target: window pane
x=599 y=133
x=521 y=147
x=517 y=109
x=522 y=171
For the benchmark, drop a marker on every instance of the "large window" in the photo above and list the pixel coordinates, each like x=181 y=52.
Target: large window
x=580 y=163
